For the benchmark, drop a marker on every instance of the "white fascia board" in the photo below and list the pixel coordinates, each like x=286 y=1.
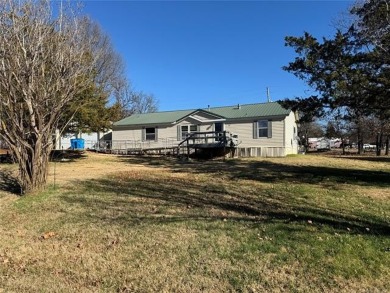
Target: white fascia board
x=207 y=120
x=200 y=121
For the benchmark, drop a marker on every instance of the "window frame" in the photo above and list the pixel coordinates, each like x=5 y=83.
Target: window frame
x=149 y=136
x=185 y=133
x=152 y=136
x=262 y=129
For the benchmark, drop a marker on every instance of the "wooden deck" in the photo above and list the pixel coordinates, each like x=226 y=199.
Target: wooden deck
x=208 y=144
x=4 y=151
x=5 y=156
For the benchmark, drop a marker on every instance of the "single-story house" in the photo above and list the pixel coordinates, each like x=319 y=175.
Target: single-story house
x=263 y=129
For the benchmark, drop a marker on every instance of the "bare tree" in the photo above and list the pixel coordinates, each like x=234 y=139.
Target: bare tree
x=46 y=62
x=339 y=127
x=308 y=130
x=122 y=94
x=143 y=103
x=133 y=102
x=373 y=23
x=91 y=110
x=110 y=69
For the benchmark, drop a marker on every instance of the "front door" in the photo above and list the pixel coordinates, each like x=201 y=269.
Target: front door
x=218 y=128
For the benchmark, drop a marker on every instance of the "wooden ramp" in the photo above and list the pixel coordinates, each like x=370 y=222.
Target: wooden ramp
x=202 y=144
x=145 y=151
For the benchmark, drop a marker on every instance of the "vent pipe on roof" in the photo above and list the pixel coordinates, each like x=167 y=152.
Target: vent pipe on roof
x=268 y=95
x=208 y=107
x=238 y=106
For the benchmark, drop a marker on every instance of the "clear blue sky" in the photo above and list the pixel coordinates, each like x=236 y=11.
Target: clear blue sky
x=191 y=54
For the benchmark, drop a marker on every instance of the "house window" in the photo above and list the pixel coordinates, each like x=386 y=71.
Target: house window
x=262 y=128
x=150 y=133
x=186 y=130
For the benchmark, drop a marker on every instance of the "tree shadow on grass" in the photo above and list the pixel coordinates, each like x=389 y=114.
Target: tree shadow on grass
x=8 y=182
x=65 y=156
x=158 y=201
x=368 y=159
x=266 y=171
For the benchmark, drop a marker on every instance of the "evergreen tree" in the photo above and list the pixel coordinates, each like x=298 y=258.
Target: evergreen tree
x=350 y=71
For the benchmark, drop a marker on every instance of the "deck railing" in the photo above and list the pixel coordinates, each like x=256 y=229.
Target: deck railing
x=195 y=140
x=222 y=138
x=131 y=144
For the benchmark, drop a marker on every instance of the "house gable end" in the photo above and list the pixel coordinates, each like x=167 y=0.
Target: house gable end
x=201 y=116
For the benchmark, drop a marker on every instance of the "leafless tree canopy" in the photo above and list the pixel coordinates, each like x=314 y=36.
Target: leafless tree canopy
x=45 y=63
x=133 y=102
x=373 y=22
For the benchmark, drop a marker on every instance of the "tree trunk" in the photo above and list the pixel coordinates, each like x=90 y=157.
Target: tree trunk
x=377 y=147
x=379 y=141
x=33 y=161
x=360 y=141
x=306 y=142
x=387 y=145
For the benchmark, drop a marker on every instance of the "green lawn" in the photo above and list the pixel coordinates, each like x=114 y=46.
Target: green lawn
x=295 y=224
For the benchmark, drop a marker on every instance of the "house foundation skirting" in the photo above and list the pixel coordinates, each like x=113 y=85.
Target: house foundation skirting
x=245 y=152
x=158 y=148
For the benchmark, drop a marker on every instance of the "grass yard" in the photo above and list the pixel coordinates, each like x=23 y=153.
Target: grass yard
x=127 y=224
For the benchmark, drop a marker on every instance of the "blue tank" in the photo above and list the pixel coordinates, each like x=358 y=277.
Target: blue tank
x=77 y=143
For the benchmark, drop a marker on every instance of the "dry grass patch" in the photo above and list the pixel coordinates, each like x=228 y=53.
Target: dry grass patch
x=119 y=224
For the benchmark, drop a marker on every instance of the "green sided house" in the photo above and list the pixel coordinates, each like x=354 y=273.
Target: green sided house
x=266 y=129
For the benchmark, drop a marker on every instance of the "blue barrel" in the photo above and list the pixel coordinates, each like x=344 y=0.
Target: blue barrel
x=77 y=143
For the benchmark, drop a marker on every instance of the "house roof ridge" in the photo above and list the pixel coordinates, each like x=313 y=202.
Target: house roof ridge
x=206 y=108
x=166 y=111
x=235 y=105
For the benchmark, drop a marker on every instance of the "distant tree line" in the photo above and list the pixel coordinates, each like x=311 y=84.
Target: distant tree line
x=351 y=74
